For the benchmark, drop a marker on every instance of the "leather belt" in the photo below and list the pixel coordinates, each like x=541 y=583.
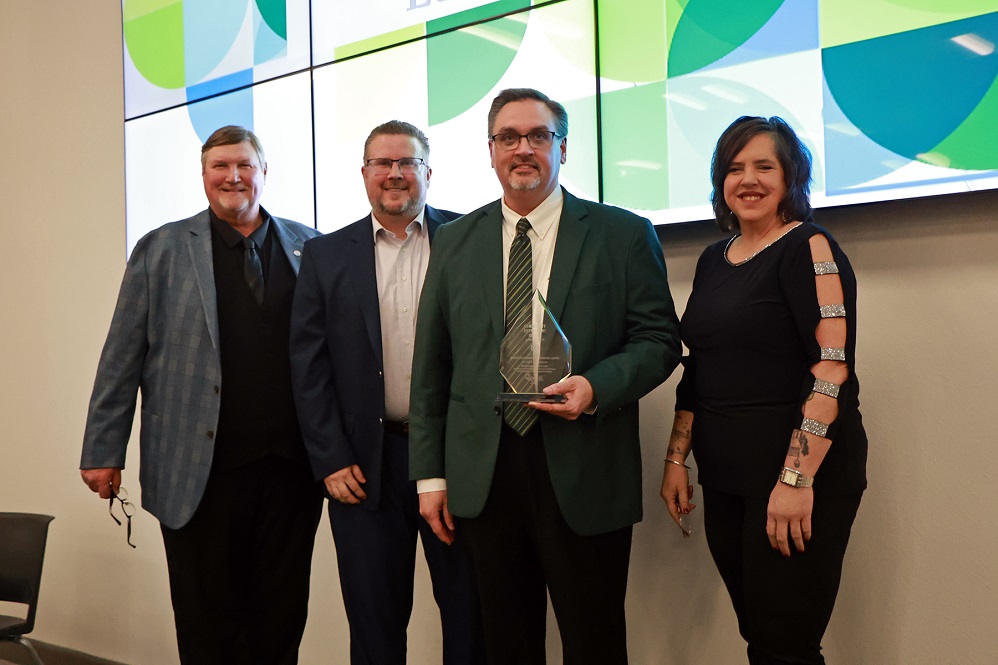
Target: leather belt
x=397 y=427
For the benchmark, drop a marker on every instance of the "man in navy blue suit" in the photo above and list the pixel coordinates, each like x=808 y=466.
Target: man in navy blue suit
x=352 y=327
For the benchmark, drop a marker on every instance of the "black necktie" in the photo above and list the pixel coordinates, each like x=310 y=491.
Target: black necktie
x=253 y=269
x=519 y=289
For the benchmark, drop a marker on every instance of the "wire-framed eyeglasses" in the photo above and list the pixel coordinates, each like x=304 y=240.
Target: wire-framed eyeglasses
x=538 y=139
x=383 y=165
x=127 y=509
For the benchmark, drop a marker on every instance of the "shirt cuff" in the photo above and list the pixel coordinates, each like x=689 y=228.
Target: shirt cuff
x=430 y=485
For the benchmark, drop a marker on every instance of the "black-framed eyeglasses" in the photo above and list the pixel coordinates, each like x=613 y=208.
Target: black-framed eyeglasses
x=383 y=165
x=538 y=140
x=127 y=509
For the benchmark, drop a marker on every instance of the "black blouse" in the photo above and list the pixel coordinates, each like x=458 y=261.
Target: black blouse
x=750 y=329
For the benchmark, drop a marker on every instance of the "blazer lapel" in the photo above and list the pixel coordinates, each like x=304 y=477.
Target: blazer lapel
x=572 y=231
x=290 y=243
x=488 y=245
x=199 y=247
x=432 y=222
x=360 y=259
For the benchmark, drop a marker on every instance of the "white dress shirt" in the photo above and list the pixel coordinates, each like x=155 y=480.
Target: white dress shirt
x=401 y=269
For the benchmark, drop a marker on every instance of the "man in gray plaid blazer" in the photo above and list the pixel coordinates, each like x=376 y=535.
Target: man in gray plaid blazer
x=201 y=329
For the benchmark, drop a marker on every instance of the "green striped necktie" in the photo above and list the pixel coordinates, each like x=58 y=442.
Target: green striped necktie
x=519 y=289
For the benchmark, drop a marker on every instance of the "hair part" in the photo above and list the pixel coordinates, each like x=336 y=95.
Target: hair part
x=395 y=128
x=520 y=94
x=232 y=135
x=794 y=158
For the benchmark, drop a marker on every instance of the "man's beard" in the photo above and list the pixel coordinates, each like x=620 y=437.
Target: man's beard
x=521 y=183
x=408 y=206
x=525 y=185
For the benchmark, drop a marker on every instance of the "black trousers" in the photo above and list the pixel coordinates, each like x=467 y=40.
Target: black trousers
x=783 y=604
x=523 y=549
x=376 y=555
x=239 y=570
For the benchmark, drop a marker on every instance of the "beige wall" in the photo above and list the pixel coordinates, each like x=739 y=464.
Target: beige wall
x=920 y=577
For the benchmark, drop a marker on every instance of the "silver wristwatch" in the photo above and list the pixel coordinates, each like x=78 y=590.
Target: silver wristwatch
x=794 y=478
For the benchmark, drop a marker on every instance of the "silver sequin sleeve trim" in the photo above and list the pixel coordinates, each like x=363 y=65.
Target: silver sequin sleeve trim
x=832 y=353
x=814 y=427
x=826 y=388
x=826 y=268
x=832 y=311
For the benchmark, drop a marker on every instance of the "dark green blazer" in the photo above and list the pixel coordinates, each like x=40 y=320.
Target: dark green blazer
x=608 y=289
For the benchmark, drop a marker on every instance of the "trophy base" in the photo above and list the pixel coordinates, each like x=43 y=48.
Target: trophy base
x=530 y=397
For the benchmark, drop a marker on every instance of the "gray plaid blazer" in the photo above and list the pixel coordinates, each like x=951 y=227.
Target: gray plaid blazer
x=164 y=342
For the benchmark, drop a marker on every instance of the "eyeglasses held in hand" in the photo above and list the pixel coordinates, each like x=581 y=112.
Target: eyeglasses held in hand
x=538 y=140
x=383 y=165
x=127 y=509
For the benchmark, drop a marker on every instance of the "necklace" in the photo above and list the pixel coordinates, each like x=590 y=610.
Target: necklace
x=758 y=251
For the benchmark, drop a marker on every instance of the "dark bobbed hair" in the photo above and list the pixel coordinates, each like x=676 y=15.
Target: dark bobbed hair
x=794 y=157
x=399 y=127
x=519 y=94
x=232 y=135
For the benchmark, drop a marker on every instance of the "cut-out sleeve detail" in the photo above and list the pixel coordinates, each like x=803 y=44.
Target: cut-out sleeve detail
x=826 y=388
x=826 y=268
x=832 y=311
x=830 y=373
x=815 y=427
x=830 y=353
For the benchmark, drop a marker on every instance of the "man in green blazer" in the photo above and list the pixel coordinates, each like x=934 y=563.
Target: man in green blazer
x=545 y=496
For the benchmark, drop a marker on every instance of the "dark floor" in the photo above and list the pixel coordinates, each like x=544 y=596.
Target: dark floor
x=14 y=654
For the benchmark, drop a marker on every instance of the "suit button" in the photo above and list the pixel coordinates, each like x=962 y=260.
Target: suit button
x=216 y=390
x=210 y=434
x=497 y=410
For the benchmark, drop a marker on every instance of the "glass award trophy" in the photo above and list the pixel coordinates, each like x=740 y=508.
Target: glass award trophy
x=526 y=374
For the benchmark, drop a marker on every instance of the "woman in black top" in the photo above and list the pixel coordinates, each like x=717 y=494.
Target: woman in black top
x=769 y=399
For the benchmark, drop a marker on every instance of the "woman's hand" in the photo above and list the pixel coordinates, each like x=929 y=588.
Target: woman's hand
x=789 y=517
x=677 y=492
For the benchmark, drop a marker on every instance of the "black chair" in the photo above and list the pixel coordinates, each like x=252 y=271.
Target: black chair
x=22 y=550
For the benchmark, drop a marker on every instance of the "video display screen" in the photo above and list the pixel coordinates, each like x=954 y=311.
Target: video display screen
x=550 y=48
x=894 y=98
x=163 y=154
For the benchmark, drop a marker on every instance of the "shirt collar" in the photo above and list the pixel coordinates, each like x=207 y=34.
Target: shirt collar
x=415 y=226
x=231 y=237
x=541 y=218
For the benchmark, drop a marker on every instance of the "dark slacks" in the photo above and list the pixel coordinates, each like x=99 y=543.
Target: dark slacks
x=239 y=570
x=783 y=604
x=376 y=555
x=523 y=549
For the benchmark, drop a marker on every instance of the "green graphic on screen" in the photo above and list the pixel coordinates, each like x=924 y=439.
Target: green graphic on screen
x=894 y=98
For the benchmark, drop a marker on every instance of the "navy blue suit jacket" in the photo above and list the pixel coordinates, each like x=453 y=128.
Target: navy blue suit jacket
x=337 y=363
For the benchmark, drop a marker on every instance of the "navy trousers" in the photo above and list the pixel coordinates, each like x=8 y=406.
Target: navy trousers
x=376 y=555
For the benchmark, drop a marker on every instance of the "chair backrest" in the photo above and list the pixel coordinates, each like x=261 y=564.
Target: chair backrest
x=22 y=551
